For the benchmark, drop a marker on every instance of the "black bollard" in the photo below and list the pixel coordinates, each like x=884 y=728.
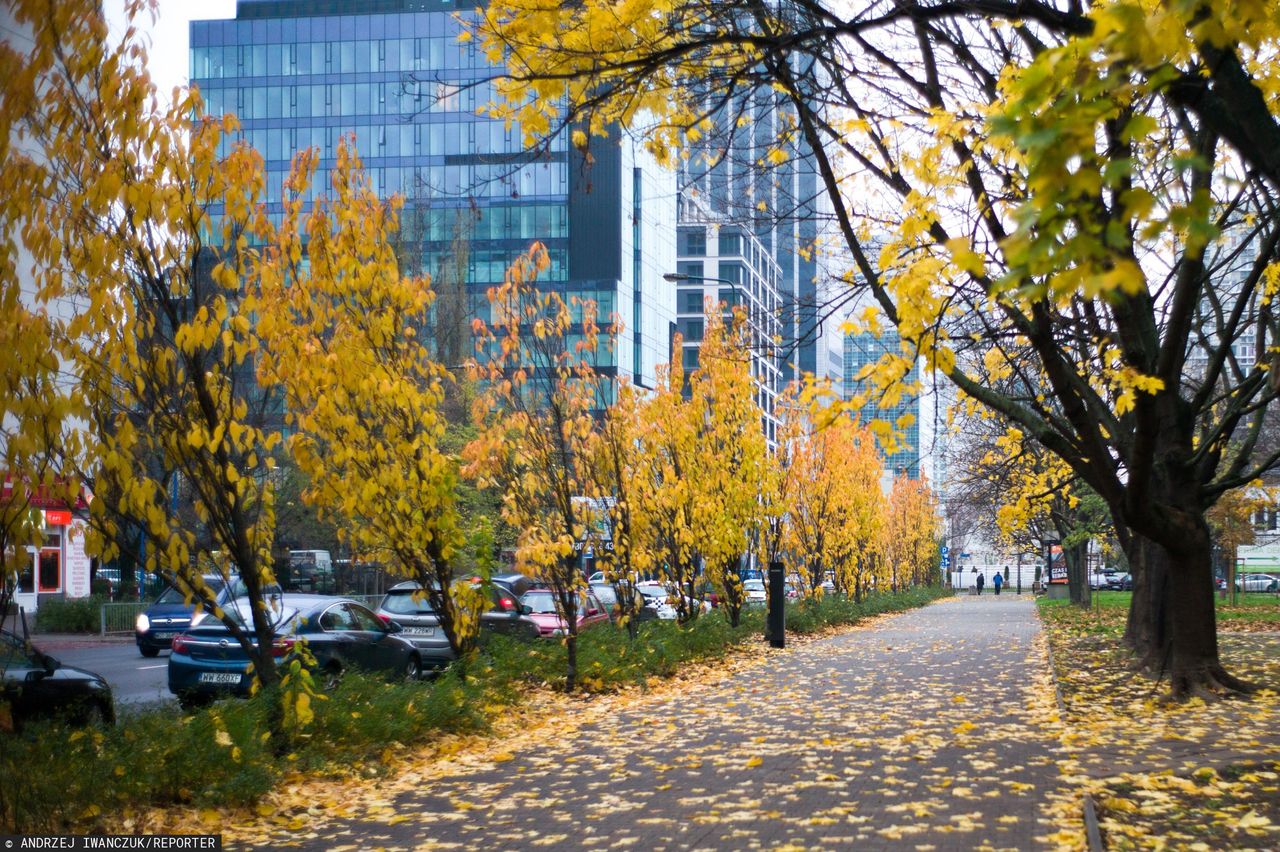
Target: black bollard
x=776 y=623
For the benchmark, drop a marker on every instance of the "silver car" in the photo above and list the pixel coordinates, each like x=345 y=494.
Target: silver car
x=1257 y=583
x=407 y=605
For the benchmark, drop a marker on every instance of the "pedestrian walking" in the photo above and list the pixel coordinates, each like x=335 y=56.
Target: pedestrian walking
x=981 y=582
x=997 y=581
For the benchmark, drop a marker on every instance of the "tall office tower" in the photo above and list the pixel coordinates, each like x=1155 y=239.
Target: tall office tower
x=303 y=73
x=726 y=264
x=861 y=350
x=732 y=178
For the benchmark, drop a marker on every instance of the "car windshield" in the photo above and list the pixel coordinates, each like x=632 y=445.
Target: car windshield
x=539 y=602
x=173 y=596
x=605 y=593
x=403 y=602
x=754 y=585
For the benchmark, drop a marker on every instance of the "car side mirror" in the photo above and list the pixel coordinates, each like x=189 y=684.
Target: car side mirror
x=525 y=609
x=593 y=611
x=394 y=627
x=50 y=664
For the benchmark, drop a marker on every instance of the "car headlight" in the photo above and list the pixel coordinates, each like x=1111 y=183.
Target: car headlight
x=143 y=624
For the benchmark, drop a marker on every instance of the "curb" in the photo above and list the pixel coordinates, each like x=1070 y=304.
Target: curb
x=1092 y=830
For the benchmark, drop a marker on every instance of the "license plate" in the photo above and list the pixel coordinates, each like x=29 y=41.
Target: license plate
x=168 y=635
x=421 y=631
x=220 y=677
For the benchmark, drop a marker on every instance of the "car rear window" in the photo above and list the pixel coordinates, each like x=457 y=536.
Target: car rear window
x=403 y=603
x=606 y=594
x=539 y=602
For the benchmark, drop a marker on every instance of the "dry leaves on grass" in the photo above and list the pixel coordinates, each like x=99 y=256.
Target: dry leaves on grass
x=1193 y=775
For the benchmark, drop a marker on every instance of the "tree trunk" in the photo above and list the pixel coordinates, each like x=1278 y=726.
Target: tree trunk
x=571 y=668
x=1172 y=625
x=1077 y=574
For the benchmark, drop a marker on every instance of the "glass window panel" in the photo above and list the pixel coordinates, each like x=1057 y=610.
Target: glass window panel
x=348 y=99
x=362 y=56
x=690 y=302
x=346 y=57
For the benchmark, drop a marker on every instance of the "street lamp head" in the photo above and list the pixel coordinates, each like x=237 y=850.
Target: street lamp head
x=675 y=276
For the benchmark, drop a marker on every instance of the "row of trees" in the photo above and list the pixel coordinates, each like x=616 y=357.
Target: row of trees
x=177 y=327
x=679 y=484
x=1080 y=207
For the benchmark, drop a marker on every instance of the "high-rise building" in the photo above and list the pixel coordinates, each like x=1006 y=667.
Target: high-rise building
x=720 y=263
x=732 y=178
x=302 y=73
x=862 y=350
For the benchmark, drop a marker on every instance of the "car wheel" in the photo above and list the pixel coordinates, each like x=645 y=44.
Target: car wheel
x=148 y=651
x=331 y=677
x=413 y=669
x=191 y=702
x=96 y=716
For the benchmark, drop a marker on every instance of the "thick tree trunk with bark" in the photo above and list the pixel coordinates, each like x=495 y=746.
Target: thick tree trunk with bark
x=1172 y=625
x=1077 y=575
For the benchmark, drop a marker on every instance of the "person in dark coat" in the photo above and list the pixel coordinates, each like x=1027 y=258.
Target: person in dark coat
x=981 y=582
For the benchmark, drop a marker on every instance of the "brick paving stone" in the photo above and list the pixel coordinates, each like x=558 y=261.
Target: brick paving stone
x=858 y=741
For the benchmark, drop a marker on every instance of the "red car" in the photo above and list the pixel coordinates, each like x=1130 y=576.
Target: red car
x=542 y=611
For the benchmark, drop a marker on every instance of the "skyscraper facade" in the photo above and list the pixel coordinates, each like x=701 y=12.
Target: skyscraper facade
x=733 y=179
x=303 y=73
x=862 y=350
x=723 y=264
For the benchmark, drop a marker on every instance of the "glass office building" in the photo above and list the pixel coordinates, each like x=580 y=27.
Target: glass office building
x=303 y=73
x=862 y=350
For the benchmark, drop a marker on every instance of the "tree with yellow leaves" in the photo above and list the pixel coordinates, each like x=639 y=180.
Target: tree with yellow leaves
x=838 y=522
x=36 y=422
x=914 y=527
x=1084 y=191
x=342 y=338
x=731 y=455
x=665 y=500
x=617 y=464
x=127 y=208
x=541 y=389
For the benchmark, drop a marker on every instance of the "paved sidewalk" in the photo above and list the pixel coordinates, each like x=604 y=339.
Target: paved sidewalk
x=912 y=733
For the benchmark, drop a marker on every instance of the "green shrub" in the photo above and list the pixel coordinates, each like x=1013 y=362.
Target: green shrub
x=72 y=615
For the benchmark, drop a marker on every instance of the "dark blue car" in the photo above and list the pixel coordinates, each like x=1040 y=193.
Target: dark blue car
x=207 y=662
x=171 y=614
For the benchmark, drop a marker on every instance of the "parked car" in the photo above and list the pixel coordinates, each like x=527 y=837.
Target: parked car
x=542 y=609
x=514 y=584
x=756 y=592
x=406 y=604
x=657 y=598
x=170 y=614
x=207 y=662
x=662 y=600
x=1120 y=583
x=1103 y=579
x=1257 y=583
x=35 y=685
x=607 y=593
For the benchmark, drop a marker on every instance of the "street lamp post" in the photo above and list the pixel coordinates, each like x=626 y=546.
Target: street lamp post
x=676 y=277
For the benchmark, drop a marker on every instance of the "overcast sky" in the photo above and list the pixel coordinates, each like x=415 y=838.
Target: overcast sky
x=169 y=36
